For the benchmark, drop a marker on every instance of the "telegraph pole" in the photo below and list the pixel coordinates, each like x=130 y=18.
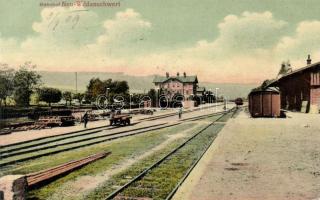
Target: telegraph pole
x=76 y=73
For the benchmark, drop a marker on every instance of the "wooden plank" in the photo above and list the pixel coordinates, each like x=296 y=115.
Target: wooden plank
x=45 y=175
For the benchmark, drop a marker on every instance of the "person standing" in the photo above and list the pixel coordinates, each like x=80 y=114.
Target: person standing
x=180 y=112
x=85 y=119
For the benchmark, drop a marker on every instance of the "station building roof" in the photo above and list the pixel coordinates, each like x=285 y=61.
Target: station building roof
x=182 y=79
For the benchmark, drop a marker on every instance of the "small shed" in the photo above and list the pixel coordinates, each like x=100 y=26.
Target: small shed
x=264 y=102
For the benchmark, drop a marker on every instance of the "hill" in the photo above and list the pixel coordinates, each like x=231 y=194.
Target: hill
x=137 y=84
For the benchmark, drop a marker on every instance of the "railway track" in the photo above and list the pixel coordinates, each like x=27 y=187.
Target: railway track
x=142 y=185
x=89 y=131
x=15 y=154
x=42 y=145
x=239 y=109
x=174 y=114
x=29 y=147
x=25 y=155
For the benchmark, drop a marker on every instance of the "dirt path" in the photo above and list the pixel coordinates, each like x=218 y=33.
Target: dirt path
x=77 y=189
x=272 y=159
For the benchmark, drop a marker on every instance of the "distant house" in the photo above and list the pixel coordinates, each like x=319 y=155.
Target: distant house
x=176 y=85
x=201 y=91
x=300 y=88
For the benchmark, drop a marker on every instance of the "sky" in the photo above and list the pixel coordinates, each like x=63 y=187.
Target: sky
x=229 y=41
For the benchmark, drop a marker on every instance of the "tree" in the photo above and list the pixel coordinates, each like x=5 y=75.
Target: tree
x=97 y=87
x=79 y=97
x=25 y=81
x=67 y=96
x=49 y=95
x=6 y=83
x=284 y=69
x=153 y=96
x=119 y=87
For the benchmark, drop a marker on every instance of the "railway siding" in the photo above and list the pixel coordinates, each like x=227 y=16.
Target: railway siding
x=45 y=148
x=137 y=182
x=123 y=151
x=159 y=183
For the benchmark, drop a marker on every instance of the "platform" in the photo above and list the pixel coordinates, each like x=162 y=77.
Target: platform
x=262 y=158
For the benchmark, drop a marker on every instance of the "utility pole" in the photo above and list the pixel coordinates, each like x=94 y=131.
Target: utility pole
x=216 y=98
x=76 y=73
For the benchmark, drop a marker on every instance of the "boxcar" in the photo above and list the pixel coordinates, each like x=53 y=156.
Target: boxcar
x=264 y=103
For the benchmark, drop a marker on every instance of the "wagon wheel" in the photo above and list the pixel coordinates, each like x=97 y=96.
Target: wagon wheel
x=122 y=122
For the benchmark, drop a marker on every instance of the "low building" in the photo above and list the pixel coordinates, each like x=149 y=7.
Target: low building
x=300 y=89
x=201 y=91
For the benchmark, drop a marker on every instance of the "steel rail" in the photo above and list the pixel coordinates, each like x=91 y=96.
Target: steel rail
x=16 y=151
x=171 y=194
x=116 y=136
x=173 y=114
x=94 y=128
x=142 y=174
x=9 y=152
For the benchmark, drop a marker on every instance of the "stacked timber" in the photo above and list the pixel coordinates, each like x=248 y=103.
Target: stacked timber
x=34 y=179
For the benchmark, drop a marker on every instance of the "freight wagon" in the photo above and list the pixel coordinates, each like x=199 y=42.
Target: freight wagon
x=264 y=103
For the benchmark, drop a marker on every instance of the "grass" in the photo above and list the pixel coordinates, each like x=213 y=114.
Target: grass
x=237 y=112
x=164 y=181
x=122 y=149
x=122 y=178
x=61 y=142
x=49 y=161
x=161 y=181
x=225 y=117
x=62 y=147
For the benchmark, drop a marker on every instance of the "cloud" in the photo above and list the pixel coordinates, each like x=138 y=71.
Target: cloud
x=73 y=39
x=304 y=41
x=7 y=46
x=249 y=47
x=242 y=52
x=62 y=28
x=250 y=31
x=125 y=34
x=244 y=34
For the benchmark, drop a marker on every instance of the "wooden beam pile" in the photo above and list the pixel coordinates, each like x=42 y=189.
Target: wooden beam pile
x=34 y=179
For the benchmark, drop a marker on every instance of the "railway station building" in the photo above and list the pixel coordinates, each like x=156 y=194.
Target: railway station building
x=300 y=89
x=172 y=86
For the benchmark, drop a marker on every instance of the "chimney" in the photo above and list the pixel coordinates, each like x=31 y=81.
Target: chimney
x=184 y=74
x=167 y=74
x=309 y=60
x=178 y=74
